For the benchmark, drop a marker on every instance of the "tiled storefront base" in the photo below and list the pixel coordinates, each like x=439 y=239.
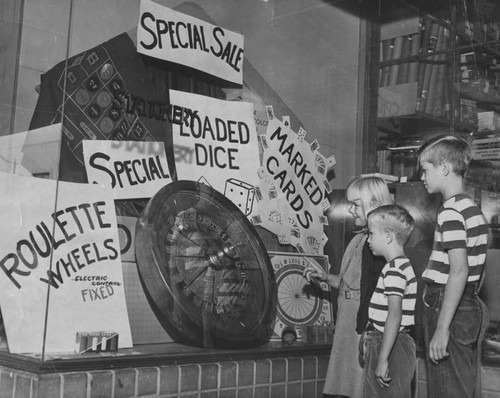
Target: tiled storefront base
x=276 y=377
x=264 y=378
x=490 y=388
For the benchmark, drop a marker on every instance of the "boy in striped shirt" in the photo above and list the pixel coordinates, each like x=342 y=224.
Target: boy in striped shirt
x=388 y=346
x=453 y=314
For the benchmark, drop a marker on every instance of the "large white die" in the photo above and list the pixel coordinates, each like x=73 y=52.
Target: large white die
x=241 y=194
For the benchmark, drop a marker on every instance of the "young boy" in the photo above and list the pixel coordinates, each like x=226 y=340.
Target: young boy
x=452 y=311
x=389 y=349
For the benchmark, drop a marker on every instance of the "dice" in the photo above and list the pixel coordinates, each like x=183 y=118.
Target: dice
x=241 y=194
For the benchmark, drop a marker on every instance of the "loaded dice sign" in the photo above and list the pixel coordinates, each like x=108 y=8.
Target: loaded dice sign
x=215 y=142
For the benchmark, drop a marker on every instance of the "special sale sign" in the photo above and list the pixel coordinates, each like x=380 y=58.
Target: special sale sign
x=172 y=36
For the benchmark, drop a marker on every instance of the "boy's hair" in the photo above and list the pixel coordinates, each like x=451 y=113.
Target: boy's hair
x=449 y=148
x=372 y=191
x=395 y=218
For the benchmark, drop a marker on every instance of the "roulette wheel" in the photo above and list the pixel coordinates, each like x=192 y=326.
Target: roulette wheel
x=205 y=270
x=297 y=305
x=300 y=302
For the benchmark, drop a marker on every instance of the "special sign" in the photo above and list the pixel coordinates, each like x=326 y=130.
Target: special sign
x=133 y=169
x=215 y=142
x=172 y=36
x=60 y=268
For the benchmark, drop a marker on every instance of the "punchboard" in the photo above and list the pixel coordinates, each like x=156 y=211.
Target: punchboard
x=104 y=93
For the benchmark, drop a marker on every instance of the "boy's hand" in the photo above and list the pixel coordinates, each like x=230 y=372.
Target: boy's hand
x=438 y=345
x=382 y=373
x=457 y=279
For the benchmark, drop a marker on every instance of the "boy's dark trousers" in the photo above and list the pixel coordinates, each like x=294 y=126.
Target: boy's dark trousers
x=402 y=364
x=456 y=375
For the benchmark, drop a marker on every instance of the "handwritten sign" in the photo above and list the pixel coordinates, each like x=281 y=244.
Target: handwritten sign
x=293 y=191
x=133 y=169
x=172 y=36
x=215 y=142
x=60 y=257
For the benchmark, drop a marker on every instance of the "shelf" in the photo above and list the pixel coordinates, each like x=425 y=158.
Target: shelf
x=420 y=58
x=467 y=44
x=455 y=73
x=476 y=92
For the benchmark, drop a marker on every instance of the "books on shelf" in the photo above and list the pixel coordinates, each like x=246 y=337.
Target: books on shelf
x=401 y=47
x=428 y=72
x=430 y=88
x=468 y=111
x=396 y=54
x=384 y=162
x=437 y=86
x=403 y=71
x=386 y=55
x=397 y=42
x=414 y=50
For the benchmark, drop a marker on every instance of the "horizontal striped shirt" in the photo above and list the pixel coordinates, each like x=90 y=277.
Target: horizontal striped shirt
x=460 y=225
x=397 y=278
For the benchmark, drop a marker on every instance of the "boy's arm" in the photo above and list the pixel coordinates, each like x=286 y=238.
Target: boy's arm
x=391 y=331
x=459 y=271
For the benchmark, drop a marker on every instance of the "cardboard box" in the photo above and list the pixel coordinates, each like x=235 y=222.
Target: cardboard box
x=397 y=100
x=485 y=149
x=488 y=121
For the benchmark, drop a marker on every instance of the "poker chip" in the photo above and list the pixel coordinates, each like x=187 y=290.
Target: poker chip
x=106 y=71
x=106 y=125
x=82 y=97
x=104 y=99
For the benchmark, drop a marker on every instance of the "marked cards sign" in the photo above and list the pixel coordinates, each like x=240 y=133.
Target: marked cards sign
x=292 y=195
x=215 y=142
x=132 y=169
x=59 y=257
x=173 y=36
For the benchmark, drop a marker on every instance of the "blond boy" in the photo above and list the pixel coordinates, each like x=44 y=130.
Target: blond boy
x=389 y=348
x=452 y=311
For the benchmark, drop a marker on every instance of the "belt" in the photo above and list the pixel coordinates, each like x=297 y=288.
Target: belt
x=407 y=329
x=370 y=327
x=470 y=287
x=350 y=294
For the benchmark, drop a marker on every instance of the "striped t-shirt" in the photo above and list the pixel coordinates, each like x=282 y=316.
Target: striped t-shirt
x=397 y=278
x=460 y=224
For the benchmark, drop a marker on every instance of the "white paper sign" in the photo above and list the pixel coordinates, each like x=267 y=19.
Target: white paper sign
x=172 y=36
x=59 y=256
x=292 y=193
x=126 y=236
x=215 y=142
x=133 y=169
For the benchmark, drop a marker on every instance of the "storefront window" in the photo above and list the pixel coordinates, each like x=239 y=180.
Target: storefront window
x=167 y=169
